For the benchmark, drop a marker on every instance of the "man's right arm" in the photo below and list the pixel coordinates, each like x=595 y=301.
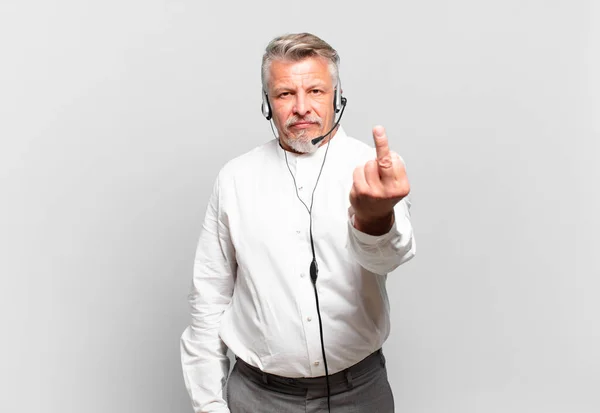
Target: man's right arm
x=203 y=355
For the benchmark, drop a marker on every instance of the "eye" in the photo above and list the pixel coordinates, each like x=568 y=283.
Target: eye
x=283 y=94
x=316 y=91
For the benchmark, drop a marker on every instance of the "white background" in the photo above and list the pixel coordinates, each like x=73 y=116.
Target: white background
x=115 y=117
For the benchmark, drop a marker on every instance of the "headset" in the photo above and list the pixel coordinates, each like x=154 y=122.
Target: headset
x=338 y=102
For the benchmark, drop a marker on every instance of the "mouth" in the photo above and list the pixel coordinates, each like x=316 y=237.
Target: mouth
x=302 y=125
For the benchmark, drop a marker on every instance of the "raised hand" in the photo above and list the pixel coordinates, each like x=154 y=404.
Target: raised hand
x=378 y=185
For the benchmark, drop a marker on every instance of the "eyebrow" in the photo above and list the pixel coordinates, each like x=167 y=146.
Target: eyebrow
x=317 y=83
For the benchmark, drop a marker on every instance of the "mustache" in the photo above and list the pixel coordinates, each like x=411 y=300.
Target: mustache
x=295 y=119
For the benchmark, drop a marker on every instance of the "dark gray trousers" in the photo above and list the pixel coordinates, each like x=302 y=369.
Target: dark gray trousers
x=362 y=388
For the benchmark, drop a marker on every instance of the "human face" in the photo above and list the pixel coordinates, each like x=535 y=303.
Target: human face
x=301 y=98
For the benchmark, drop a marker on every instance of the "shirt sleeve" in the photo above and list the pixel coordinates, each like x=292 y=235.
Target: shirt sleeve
x=382 y=254
x=203 y=354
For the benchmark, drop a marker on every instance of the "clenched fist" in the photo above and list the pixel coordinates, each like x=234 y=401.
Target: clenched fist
x=378 y=185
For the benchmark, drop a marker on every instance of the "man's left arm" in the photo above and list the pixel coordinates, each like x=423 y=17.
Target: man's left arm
x=380 y=232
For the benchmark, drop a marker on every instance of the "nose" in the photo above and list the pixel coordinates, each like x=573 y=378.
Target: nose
x=301 y=106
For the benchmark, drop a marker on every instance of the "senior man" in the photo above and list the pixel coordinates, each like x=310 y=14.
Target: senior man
x=291 y=265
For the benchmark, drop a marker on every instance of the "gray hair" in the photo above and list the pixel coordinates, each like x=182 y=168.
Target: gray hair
x=297 y=47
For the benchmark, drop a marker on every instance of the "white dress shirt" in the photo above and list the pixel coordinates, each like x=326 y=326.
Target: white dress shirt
x=251 y=289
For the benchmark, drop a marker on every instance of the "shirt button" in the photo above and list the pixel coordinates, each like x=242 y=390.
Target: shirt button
x=302 y=275
x=300 y=188
x=316 y=363
x=309 y=318
x=297 y=232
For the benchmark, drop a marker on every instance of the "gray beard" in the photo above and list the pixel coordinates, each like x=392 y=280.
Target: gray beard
x=300 y=143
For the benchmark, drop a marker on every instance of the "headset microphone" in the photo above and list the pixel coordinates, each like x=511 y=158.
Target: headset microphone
x=320 y=138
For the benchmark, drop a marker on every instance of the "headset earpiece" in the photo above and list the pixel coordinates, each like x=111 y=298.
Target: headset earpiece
x=337 y=97
x=266 y=107
x=338 y=102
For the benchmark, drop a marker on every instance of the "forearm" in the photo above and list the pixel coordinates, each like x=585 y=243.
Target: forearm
x=381 y=253
x=204 y=358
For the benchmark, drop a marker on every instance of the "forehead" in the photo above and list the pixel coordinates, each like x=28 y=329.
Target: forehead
x=309 y=69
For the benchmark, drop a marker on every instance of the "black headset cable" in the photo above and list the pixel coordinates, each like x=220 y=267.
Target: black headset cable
x=314 y=268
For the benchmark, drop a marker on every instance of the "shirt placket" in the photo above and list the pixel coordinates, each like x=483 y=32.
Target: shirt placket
x=306 y=295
